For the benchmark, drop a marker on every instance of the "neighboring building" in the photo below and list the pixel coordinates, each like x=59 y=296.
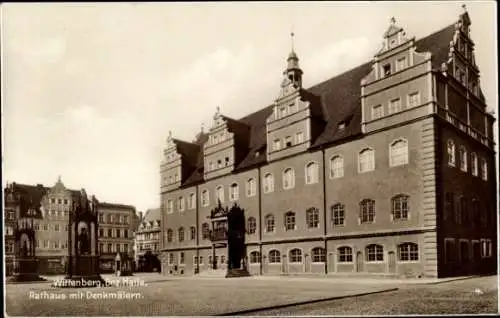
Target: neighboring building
x=116 y=232
x=386 y=168
x=147 y=241
x=54 y=205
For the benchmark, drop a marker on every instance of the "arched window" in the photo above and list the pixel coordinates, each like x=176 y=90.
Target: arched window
x=180 y=233
x=318 y=255
x=473 y=164
x=400 y=207
x=463 y=158
x=254 y=257
x=274 y=256
x=344 y=254
x=338 y=214
x=251 y=187
x=180 y=203
x=367 y=211
x=312 y=173
x=205 y=199
x=252 y=225
x=451 y=152
x=289 y=221
x=192 y=201
x=170 y=235
x=312 y=218
x=398 y=153
x=288 y=178
x=295 y=256
x=234 y=192
x=205 y=231
x=408 y=252
x=270 y=224
x=366 y=160
x=268 y=183
x=336 y=167
x=374 y=253
x=192 y=231
x=219 y=193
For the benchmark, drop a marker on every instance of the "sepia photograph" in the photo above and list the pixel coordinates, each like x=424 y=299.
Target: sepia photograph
x=323 y=158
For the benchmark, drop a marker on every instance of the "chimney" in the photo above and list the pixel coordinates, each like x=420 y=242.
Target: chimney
x=39 y=185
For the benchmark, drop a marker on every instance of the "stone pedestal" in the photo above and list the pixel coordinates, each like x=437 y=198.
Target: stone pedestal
x=237 y=272
x=85 y=273
x=25 y=270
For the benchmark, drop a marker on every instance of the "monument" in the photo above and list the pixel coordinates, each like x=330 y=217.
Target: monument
x=228 y=229
x=25 y=261
x=83 y=253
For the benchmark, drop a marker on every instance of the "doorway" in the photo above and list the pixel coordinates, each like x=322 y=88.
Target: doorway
x=392 y=262
x=359 y=261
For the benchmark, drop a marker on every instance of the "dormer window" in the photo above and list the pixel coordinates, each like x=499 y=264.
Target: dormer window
x=277 y=144
x=283 y=111
x=288 y=141
x=215 y=140
x=291 y=108
x=227 y=161
x=219 y=163
x=393 y=43
x=386 y=70
x=401 y=64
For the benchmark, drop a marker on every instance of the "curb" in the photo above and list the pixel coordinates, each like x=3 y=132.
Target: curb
x=305 y=302
x=450 y=280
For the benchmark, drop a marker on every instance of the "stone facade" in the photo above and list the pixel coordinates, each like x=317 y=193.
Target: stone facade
x=147 y=241
x=352 y=175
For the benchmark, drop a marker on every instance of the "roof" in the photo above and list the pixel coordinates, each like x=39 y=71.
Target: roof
x=115 y=206
x=340 y=101
x=152 y=215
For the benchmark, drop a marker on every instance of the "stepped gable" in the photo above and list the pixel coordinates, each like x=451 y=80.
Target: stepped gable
x=30 y=196
x=340 y=102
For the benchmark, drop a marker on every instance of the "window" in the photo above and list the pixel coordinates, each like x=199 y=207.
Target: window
x=274 y=256
x=312 y=218
x=312 y=173
x=295 y=256
x=118 y=247
x=463 y=158
x=408 y=252
x=268 y=183
x=171 y=258
x=374 y=253
x=288 y=179
x=181 y=203
x=336 y=167
x=367 y=211
x=192 y=231
x=110 y=232
x=473 y=164
x=377 y=111
x=53 y=201
x=464 y=251
x=451 y=153
x=283 y=111
x=344 y=254
x=170 y=206
x=56 y=227
x=205 y=198
x=277 y=144
x=299 y=137
x=338 y=216
x=254 y=257
x=205 y=231
x=398 y=153
x=234 y=193
x=289 y=221
x=252 y=225
x=251 y=187
x=192 y=201
x=395 y=106
x=292 y=108
x=118 y=233
x=270 y=224
x=366 y=160
x=464 y=210
x=449 y=206
x=400 y=207
x=484 y=170
x=318 y=255
x=180 y=234
x=401 y=64
x=219 y=194
x=181 y=258
x=414 y=99
x=288 y=141
x=170 y=235
x=125 y=233
x=386 y=70
x=219 y=163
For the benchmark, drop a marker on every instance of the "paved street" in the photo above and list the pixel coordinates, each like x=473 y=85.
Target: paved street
x=469 y=296
x=213 y=296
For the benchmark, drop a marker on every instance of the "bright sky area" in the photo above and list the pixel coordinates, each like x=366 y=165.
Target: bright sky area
x=90 y=91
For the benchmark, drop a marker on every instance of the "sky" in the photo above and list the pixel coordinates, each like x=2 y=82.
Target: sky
x=90 y=91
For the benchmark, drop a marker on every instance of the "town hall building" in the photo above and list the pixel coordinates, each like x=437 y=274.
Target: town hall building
x=388 y=168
